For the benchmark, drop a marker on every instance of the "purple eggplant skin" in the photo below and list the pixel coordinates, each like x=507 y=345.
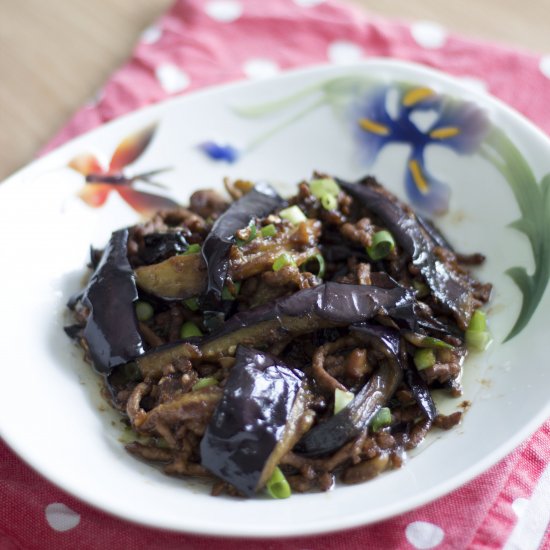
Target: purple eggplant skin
x=111 y=330
x=354 y=419
x=250 y=419
x=327 y=305
x=259 y=202
x=446 y=286
x=391 y=340
x=161 y=246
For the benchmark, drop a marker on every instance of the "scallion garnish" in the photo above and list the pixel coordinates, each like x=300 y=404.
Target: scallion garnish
x=277 y=486
x=144 y=310
x=326 y=190
x=424 y=358
x=252 y=232
x=329 y=202
x=227 y=294
x=282 y=261
x=269 y=231
x=204 y=383
x=324 y=186
x=381 y=419
x=382 y=245
x=192 y=303
x=189 y=329
x=478 y=337
x=192 y=249
x=341 y=399
x=320 y=260
x=293 y=214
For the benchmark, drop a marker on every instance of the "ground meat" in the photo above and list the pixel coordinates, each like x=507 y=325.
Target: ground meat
x=208 y=203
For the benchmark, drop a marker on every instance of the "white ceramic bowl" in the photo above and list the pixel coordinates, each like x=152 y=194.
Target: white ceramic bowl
x=333 y=119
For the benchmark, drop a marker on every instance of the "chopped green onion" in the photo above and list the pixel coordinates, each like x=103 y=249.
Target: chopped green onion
x=478 y=322
x=478 y=340
x=144 y=310
x=320 y=260
x=341 y=399
x=252 y=232
x=421 y=341
x=324 y=186
x=282 y=261
x=422 y=290
x=204 y=383
x=382 y=245
x=329 y=202
x=227 y=294
x=424 y=358
x=277 y=486
x=269 y=231
x=192 y=303
x=192 y=249
x=381 y=419
x=293 y=214
x=189 y=329
x=478 y=337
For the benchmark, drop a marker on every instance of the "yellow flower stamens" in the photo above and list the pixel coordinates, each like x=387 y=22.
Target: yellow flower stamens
x=414 y=96
x=418 y=177
x=445 y=133
x=374 y=127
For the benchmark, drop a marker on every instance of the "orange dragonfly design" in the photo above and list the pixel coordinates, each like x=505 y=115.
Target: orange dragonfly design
x=100 y=181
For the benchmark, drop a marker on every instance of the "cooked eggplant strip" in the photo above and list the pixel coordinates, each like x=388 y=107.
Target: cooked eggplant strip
x=151 y=364
x=260 y=201
x=184 y=276
x=391 y=340
x=262 y=404
x=355 y=418
x=177 y=278
x=327 y=305
x=112 y=340
x=446 y=284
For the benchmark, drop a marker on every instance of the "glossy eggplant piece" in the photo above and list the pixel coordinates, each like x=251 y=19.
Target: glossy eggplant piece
x=327 y=305
x=259 y=202
x=391 y=340
x=261 y=406
x=446 y=285
x=160 y=246
x=152 y=363
x=177 y=278
x=111 y=330
x=354 y=419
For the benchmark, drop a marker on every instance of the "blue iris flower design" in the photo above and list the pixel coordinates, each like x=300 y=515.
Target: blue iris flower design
x=461 y=126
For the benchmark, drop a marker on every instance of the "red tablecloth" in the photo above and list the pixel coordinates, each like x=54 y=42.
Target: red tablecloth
x=200 y=43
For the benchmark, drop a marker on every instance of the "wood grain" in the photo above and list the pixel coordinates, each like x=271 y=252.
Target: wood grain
x=55 y=54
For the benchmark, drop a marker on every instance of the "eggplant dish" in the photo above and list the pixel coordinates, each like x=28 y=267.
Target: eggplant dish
x=277 y=345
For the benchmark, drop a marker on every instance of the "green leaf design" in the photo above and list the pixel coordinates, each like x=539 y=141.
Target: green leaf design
x=534 y=204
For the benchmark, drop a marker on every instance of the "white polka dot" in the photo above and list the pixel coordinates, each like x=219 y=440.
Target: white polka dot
x=422 y=534
x=342 y=52
x=474 y=83
x=260 y=68
x=61 y=517
x=519 y=505
x=544 y=65
x=224 y=10
x=428 y=34
x=151 y=34
x=171 y=78
x=308 y=3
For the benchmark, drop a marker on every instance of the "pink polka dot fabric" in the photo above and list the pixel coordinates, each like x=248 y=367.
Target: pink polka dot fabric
x=201 y=43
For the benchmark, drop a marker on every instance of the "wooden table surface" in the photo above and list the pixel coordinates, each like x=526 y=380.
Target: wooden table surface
x=55 y=54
